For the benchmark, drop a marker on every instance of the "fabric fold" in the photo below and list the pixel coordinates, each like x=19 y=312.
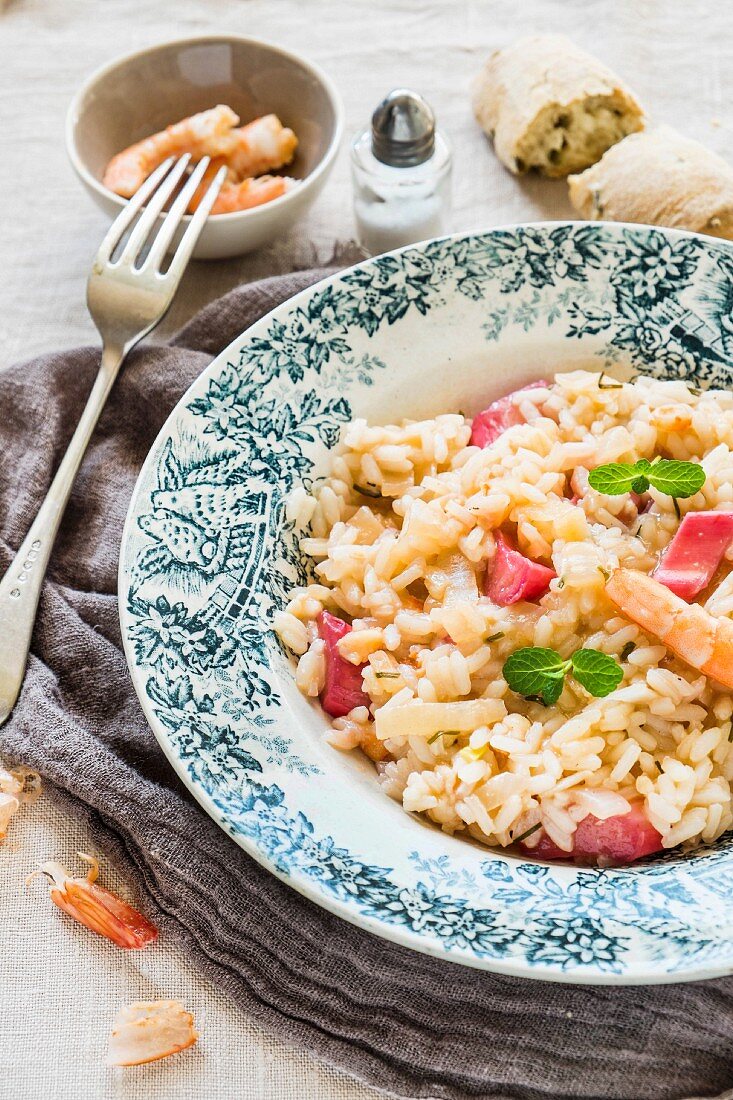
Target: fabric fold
x=401 y=1021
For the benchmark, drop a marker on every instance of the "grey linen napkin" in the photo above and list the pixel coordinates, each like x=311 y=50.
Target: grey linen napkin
x=408 y=1024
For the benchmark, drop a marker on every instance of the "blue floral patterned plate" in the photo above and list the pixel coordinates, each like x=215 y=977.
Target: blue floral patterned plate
x=209 y=553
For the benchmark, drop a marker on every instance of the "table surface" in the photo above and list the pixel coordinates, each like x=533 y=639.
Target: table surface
x=60 y=987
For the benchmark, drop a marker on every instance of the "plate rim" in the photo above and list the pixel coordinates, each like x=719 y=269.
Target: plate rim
x=633 y=974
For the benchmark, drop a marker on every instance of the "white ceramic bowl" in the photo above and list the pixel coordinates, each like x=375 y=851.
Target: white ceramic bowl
x=144 y=92
x=210 y=551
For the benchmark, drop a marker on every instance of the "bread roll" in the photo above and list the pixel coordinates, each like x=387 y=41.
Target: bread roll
x=549 y=105
x=659 y=178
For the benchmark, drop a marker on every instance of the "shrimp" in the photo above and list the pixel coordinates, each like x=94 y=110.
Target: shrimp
x=209 y=133
x=692 y=633
x=241 y=195
x=250 y=192
x=148 y=1030
x=261 y=146
x=96 y=908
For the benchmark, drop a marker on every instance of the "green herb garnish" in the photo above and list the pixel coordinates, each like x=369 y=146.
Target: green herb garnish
x=627 y=650
x=368 y=490
x=608 y=385
x=539 y=674
x=519 y=839
x=669 y=476
x=535 y=671
x=597 y=672
x=387 y=675
x=561 y=583
x=441 y=733
x=495 y=637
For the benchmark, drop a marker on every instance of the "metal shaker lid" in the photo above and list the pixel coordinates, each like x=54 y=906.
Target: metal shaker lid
x=403 y=129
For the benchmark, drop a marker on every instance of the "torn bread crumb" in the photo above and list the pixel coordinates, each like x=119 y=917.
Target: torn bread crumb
x=550 y=106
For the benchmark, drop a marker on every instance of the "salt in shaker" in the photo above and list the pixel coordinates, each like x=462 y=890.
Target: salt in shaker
x=401 y=169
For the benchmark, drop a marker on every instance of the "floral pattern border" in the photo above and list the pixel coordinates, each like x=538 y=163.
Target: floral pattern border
x=211 y=552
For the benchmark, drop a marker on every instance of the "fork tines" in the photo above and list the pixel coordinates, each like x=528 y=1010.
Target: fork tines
x=149 y=202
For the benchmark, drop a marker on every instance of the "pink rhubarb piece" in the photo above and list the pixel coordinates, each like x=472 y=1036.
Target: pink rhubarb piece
x=342 y=691
x=500 y=415
x=512 y=577
x=619 y=839
x=695 y=552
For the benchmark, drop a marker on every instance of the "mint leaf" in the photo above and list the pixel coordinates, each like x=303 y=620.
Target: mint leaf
x=552 y=691
x=533 y=670
x=676 y=478
x=613 y=479
x=597 y=672
x=539 y=674
x=670 y=476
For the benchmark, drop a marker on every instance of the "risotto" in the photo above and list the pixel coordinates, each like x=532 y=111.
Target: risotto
x=526 y=621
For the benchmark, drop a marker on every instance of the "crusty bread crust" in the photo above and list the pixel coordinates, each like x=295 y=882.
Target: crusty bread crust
x=659 y=178
x=549 y=105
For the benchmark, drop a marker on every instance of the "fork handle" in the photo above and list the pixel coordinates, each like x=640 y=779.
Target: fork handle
x=20 y=588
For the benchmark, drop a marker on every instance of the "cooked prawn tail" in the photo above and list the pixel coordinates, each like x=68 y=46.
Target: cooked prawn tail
x=261 y=146
x=250 y=193
x=692 y=633
x=206 y=180
x=207 y=134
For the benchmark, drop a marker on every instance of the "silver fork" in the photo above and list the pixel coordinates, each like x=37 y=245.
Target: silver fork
x=126 y=299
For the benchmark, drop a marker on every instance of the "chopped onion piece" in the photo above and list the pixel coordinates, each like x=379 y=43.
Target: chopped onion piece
x=148 y=1030
x=452 y=579
x=461 y=584
x=601 y=803
x=426 y=719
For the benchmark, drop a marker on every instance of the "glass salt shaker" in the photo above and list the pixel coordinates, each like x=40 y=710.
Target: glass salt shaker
x=401 y=169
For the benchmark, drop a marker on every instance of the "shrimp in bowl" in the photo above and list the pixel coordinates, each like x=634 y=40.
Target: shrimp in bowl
x=247 y=152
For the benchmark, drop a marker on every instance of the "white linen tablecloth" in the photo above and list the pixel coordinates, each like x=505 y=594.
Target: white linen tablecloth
x=59 y=986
